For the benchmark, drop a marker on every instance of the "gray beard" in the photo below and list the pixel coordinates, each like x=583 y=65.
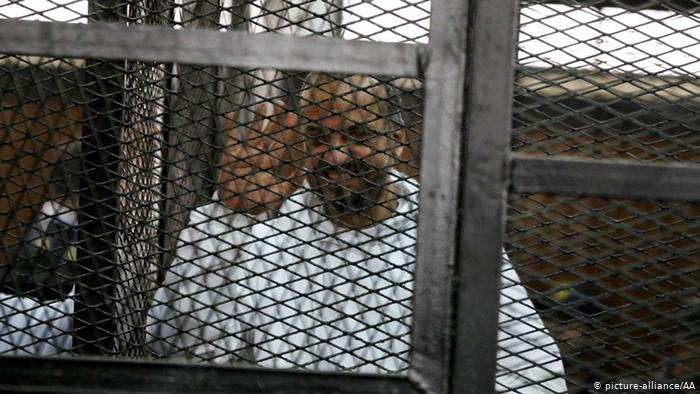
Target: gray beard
x=349 y=201
x=352 y=202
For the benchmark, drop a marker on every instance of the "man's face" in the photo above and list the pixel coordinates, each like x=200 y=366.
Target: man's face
x=349 y=145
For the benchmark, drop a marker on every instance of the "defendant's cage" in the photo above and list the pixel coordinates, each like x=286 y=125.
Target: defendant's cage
x=120 y=125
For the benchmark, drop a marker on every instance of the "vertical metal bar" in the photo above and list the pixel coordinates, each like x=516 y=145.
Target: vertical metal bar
x=440 y=175
x=491 y=54
x=93 y=326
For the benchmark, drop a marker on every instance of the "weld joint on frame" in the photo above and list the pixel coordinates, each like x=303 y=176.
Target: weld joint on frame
x=423 y=61
x=419 y=381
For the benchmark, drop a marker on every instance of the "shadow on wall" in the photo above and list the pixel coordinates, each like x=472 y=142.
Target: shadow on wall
x=39 y=165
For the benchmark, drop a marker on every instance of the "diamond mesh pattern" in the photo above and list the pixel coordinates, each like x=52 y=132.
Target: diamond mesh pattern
x=606 y=82
x=296 y=282
x=153 y=154
x=615 y=280
x=266 y=217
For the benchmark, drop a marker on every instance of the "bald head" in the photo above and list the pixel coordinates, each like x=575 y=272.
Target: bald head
x=360 y=97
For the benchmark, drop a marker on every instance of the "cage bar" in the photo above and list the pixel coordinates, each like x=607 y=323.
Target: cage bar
x=208 y=47
x=440 y=180
x=606 y=178
x=488 y=113
x=102 y=376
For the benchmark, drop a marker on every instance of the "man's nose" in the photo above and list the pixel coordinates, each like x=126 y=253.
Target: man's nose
x=337 y=146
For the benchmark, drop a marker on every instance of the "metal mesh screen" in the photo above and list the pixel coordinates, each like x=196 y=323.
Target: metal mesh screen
x=249 y=217
x=616 y=280
x=208 y=230
x=154 y=145
x=322 y=280
x=267 y=217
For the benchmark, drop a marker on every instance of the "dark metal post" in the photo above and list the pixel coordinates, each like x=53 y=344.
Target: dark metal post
x=93 y=326
x=491 y=51
x=463 y=209
x=439 y=195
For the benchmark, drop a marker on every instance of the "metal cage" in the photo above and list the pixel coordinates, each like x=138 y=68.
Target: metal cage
x=560 y=134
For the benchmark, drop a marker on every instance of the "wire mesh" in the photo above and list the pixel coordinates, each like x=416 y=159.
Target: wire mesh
x=162 y=149
x=266 y=217
x=615 y=280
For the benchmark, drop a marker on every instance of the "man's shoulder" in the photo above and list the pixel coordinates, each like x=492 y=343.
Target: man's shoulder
x=405 y=185
x=405 y=190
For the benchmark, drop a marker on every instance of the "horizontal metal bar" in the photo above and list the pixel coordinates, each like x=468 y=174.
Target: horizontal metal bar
x=606 y=178
x=102 y=376
x=684 y=6
x=208 y=47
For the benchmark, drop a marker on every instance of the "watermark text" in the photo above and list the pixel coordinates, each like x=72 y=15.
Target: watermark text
x=649 y=385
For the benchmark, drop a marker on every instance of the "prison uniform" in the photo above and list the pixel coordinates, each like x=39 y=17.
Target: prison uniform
x=298 y=291
x=30 y=327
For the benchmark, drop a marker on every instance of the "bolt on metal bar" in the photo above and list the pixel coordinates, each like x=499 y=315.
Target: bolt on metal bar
x=209 y=47
x=606 y=178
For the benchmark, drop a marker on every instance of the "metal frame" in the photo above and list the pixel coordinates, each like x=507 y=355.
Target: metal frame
x=606 y=178
x=462 y=194
x=439 y=216
x=483 y=217
x=51 y=375
x=689 y=6
x=208 y=47
x=439 y=195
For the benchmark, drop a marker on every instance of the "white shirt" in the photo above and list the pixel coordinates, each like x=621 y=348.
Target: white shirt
x=28 y=327
x=298 y=291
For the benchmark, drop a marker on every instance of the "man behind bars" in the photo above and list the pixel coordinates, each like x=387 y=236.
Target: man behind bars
x=319 y=274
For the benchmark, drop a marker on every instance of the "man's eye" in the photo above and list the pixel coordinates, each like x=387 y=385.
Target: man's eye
x=358 y=132
x=314 y=131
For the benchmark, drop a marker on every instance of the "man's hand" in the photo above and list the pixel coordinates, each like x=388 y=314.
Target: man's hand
x=259 y=166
